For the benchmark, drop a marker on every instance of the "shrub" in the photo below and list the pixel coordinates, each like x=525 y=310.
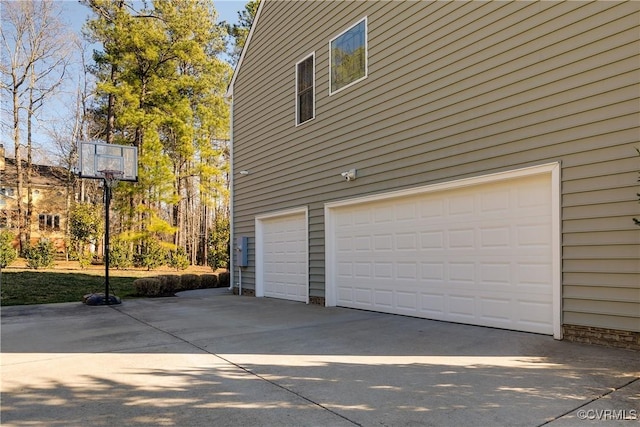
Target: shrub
x=86 y=225
x=218 y=241
x=178 y=259
x=120 y=255
x=40 y=255
x=209 y=281
x=85 y=259
x=146 y=285
x=191 y=281
x=8 y=253
x=223 y=279
x=152 y=287
x=173 y=282
x=152 y=255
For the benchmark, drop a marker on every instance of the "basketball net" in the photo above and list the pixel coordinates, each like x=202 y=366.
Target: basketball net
x=111 y=177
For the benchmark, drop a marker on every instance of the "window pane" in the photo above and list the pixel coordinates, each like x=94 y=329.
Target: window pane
x=305 y=104
x=348 y=57
x=305 y=74
x=305 y=90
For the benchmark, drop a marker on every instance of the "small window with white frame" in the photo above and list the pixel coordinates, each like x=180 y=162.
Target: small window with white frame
x=348 y=57
x=49 y=222
x=305 y=89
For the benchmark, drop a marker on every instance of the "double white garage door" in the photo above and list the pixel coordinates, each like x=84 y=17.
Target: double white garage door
x=481 y=252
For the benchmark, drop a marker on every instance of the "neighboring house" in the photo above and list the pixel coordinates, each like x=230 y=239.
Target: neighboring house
x=494 y=151
x=49 y=192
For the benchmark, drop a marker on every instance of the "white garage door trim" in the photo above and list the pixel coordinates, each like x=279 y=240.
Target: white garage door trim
x=552 y=169
x=260 y=222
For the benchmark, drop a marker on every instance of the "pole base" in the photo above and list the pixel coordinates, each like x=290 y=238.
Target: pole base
x=99 y=299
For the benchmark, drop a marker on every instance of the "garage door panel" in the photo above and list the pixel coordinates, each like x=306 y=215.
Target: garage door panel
x=432 y=272
x=534 y=313
x=496 y=275
x=407 y=300
x=433 y=304
x=383 y=298
x=496 y=309
x=383 y=214
x=461 y=307
x=533 y=235
x=345 y=296
x=495 y=236
x=478 y=254
x=534 y=276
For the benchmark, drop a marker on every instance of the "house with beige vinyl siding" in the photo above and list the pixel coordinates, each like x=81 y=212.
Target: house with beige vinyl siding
x=472 y=162
x=50 y=196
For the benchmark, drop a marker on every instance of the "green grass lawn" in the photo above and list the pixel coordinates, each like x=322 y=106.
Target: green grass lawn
x=45 y=287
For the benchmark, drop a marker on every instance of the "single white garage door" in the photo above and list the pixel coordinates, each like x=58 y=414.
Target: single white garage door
x=281 y=252
x=479 y=254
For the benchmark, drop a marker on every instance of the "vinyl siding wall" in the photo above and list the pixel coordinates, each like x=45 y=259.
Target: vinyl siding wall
x=455 y=89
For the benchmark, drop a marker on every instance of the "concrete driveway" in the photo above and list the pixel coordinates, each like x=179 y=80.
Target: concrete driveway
x=208 y=358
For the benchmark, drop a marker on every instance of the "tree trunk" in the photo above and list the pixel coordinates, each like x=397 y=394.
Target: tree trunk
x=29 y=165
x=110 y=110
x=177 y=210
x=204 y=234
x=19 y=183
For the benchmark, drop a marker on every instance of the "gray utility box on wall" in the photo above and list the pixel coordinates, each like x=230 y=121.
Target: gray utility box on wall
x=242 y=253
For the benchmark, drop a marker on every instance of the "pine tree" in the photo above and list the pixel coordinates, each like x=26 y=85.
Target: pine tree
x=161 y=86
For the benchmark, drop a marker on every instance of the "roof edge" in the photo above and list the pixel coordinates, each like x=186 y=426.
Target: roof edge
x=229 y=93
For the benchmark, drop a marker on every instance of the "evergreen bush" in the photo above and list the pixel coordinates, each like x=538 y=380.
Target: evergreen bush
x=209 y=281
x=120 y=255
x=191 y=281
x=86 y=226
x=41 y=255
x=173 y=282
x=178 y=259
x=8 y=253
x=218 y=241
x=223 y=279
x=153 y=255
x=148 y=287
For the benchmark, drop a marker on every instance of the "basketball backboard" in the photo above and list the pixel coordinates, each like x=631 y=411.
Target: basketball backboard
x=96 y=157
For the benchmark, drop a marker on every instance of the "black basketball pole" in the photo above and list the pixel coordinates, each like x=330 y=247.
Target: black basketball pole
x=107 y=203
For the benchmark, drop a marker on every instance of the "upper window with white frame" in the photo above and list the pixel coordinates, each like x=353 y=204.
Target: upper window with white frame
x=49 y=222
x=305 y=89
x=348 y=57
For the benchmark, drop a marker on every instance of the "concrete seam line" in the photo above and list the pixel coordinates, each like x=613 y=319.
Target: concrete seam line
x=590 y=401
x=239 y=367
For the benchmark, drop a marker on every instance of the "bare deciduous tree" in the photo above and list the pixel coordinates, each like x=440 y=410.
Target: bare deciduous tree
x=36 y=50
x=66 y=136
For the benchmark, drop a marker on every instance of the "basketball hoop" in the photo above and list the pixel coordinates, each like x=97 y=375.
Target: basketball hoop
x=110 y=163
x=111 y=177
